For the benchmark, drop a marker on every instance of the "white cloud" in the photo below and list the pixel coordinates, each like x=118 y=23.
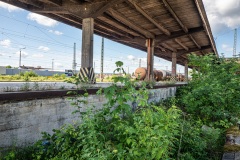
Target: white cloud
x=9 y=7
x=44 y=48
x=5 y=43
x=227 y=48
x=223 y=14
x=23 y=54
x=55 y=32
x=1 y=54
x=58 y=65
x=38 y=55
x=42 y=20
x=131 y=57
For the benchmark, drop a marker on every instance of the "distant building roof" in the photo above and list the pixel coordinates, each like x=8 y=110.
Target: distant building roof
x=31 y=67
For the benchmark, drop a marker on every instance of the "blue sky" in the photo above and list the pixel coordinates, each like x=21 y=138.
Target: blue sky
x=47 y=40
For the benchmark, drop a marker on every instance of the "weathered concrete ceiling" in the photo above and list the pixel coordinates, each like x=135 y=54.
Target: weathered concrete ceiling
x=179 y=26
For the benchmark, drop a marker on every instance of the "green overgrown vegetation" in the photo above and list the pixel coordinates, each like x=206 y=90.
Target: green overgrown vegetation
x=214 y=93
x=32 y=76
x=190 y=126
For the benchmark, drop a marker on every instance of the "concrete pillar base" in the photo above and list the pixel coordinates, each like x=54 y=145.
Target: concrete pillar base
x=87 y=75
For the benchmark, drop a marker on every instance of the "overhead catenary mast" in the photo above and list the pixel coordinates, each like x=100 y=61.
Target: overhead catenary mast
x=74 y=59
x=102 y=54
x=235 y=43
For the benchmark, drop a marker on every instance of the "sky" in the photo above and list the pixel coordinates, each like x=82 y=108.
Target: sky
x=47 y=43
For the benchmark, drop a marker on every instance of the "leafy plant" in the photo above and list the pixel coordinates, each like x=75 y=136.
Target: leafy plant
x=25 y=87
x=36 y=86
x=128 y=127
x=30 y=74
x=213 y=95
x=117 y=131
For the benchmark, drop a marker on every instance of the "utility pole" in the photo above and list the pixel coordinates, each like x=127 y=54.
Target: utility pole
x=20 y=57
x=140 y=61
x=52 y=64
x=74 y=59
x=102 y=54
x=235 y=42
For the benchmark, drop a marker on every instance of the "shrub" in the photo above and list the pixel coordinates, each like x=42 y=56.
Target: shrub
x=30 y=74
x=56 y=75
x=128 y=127
x=113 y=132
x=213 y=95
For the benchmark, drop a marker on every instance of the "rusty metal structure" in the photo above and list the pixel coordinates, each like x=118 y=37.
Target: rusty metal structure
x=158 y=75
x=168 y=29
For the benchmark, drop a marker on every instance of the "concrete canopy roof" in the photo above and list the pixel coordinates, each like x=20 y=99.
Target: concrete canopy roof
x=179 y=26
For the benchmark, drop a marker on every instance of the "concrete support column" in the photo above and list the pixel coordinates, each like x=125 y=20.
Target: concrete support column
x=87 y=42
x=174 y=65
x=150 y=58
x=186 y=71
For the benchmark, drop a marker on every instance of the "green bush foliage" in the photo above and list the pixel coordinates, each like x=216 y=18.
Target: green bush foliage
x=195 y=140
x=128 y=127
x=113 y=132
x=30 y=74
x=213 y=95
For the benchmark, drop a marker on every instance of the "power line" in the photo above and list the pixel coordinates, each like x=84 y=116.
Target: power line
x=16 y=42
x=63 y=34
x=52 y=38
x=36 y=39
x=41 y=30
x=36 y=26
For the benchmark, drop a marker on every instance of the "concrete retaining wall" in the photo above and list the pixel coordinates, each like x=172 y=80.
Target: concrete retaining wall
x=21 y=123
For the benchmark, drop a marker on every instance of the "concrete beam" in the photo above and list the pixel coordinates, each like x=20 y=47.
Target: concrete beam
x=178 y=34
x=54 y=2
x=181 y=44
x=119 y=16
x=144 y=13
x=87 y=42
x=103 y=9
x=183 y=52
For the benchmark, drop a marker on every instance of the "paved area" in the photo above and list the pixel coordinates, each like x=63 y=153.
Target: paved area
x=231 y=156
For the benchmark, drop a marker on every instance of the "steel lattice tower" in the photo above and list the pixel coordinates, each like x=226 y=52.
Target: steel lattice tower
x=235 y=43
x=102 y=56
x=74 y=59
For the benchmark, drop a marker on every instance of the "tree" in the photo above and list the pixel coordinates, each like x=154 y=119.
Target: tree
x=8 y=66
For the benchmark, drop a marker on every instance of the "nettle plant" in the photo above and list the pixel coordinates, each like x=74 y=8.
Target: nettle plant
x=116 y=131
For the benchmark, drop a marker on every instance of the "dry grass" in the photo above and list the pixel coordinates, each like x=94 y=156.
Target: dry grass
x=234 y=130
x=231 y=148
